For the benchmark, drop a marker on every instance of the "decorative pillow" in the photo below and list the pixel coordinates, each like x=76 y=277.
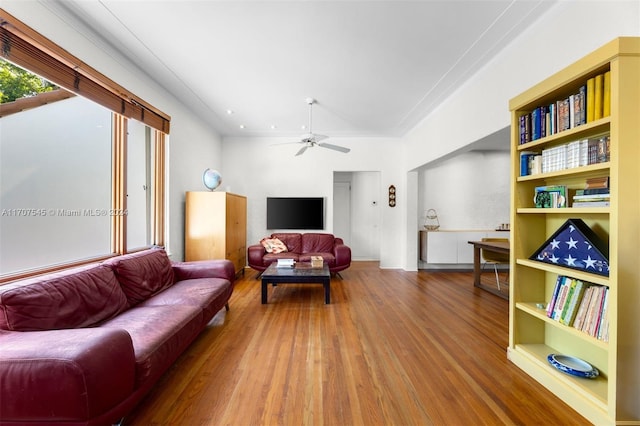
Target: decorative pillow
x=273 y=245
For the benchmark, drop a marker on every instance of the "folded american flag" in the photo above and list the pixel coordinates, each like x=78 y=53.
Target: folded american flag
x=574 y=245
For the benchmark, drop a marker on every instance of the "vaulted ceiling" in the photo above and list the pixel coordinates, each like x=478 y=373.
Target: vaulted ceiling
x=376 y=68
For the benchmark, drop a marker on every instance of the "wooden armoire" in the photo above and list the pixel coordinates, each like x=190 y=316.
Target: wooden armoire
x=216 y=227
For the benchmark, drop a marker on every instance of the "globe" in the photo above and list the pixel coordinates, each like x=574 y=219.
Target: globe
x=211 y=179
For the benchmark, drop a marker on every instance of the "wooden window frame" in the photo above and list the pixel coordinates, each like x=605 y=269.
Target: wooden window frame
x=25 y=47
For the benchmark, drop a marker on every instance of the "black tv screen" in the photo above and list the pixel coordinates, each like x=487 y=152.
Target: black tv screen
x=295 y=213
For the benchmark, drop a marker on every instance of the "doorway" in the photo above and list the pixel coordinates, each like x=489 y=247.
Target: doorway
x=357 y=212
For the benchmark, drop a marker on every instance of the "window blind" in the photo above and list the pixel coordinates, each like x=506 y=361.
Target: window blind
x=26 y=48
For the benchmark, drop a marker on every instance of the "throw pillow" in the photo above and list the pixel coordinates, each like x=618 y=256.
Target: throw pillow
x=273 y=245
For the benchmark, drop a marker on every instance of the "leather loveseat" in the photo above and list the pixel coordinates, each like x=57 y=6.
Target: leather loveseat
x=300 y=247
x=84 y=346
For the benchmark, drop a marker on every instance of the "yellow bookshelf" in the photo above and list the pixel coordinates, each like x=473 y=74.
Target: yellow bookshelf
x=614 y=396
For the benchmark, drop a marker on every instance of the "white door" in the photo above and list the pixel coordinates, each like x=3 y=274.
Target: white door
x=342 y=211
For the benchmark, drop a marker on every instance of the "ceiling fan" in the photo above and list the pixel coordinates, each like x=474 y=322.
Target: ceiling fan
x=311 y=139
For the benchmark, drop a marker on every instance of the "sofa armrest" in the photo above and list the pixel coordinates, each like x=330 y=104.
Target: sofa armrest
x=342 y=254
x=255 y=253
x=217 y=268
x=74 y=374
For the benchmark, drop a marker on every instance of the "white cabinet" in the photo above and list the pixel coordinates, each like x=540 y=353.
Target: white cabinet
x=452 y=247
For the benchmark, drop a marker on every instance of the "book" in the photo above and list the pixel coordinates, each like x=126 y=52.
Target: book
x=603 y=327
x=536 y=124
x=582 y=308
x=526 y=159
x=598 y=96
x=562 y=298
x=591 y=204
x=571 y=284
x=581 y=108
x=525 y=128
x=597 y=182
x=606 y=94
x=285 y=263
x=551 y=196
x=590 y=325
x=592 y=191
x=554 y=296
x=572 y=111
x=591 y=101
x=568 y=317
x=593 y=197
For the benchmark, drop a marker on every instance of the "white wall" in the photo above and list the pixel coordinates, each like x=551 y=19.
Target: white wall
x=255 y=168
x=469 y=191
x=193 y=144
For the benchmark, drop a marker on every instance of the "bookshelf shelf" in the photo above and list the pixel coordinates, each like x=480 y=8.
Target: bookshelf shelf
x=576 y=171
x=593 y=128
x=567 y=210
x=531 y=309
x=611 y=398
x=593 y=390
x=560 y=270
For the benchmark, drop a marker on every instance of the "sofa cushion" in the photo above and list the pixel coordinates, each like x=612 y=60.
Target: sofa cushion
x=142 y=274
x=79 y=297
x=273 y=245
x=74 y=374
x=317 y=243
x=208 y=294
x=292 y=240
x=159 y=335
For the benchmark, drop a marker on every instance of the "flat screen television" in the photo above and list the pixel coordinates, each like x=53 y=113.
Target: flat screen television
x=295 y=213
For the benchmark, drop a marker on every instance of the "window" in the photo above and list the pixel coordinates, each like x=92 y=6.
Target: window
x=139 y=189
x=81 y=176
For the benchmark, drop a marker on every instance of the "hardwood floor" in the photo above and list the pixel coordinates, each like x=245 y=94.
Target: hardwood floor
x=392 y=348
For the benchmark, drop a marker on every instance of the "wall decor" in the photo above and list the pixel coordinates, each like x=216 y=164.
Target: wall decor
x=392 y=196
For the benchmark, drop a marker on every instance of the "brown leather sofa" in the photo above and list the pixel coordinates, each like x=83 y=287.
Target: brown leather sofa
x=83 y=347
x=301 y=247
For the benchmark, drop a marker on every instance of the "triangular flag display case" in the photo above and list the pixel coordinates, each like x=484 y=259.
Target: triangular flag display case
x=586 y=241
x=574 y=245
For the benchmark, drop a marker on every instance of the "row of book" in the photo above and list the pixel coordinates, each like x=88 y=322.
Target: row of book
x=591 y=102
x=573 y=154
x=551 y=196
x=595 y=194
x=581 y=305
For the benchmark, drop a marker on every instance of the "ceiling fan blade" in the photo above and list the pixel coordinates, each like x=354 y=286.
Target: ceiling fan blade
x=334 y=147
x=319 y=138
x=286 y=143
x=302 y=150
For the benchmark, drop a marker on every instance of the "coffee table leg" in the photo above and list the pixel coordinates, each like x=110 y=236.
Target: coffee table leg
x=327 y=291
x=264 y=291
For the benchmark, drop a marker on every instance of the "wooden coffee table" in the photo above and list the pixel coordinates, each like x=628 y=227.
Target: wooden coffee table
x=300 y=273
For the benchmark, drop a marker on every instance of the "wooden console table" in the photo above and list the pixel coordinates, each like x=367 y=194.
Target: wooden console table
x=495 y=246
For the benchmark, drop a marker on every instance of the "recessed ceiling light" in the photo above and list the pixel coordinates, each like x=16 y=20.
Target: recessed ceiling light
x=242 y=126
x=273 y=126
x=303 y=127
x=229 y=111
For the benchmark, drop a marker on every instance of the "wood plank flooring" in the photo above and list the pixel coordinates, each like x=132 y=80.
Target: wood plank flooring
x=392 y=348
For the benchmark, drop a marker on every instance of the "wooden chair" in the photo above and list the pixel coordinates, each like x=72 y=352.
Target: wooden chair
x=495 y=259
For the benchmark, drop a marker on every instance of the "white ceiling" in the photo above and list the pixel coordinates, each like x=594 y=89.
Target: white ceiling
x=376 y=68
